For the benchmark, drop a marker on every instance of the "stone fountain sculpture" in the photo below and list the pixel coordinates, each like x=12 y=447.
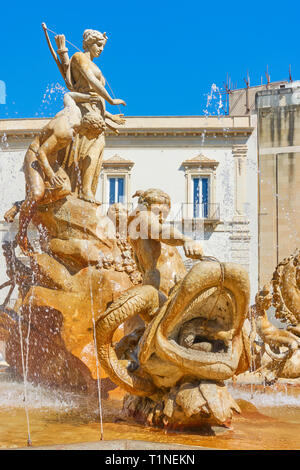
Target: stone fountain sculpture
x=80 y=267
x=174 y=367
x=183 y=330
x=279 y=355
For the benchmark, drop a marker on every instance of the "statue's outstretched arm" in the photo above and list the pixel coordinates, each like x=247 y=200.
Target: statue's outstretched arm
x=99 y=88
x=83 y=65
x=171 y=236
x=117 y=118
x=72 y=96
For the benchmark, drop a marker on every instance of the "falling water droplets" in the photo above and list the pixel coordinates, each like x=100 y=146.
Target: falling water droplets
x=52 y=100
x=4 y=142
x=214 y=102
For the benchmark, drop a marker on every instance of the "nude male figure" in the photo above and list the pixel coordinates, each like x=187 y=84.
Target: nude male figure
x=46 y=179
x=155 y=242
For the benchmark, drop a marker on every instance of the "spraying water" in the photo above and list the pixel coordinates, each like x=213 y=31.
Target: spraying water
x=214 y=102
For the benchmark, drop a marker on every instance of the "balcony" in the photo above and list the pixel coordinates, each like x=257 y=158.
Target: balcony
x=193 y=217
x=209 y=213
x=185 y=216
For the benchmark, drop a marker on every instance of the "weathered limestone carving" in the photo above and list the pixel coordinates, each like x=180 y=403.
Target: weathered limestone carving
x=176 y=377
x=66 y=157
x=280 y=351
x=83 y=76
x=118 y=214
x=183 y=332
x=154 y=242
x=76 y=273
x=63 y=292
x=46 y=178
x=175 y=365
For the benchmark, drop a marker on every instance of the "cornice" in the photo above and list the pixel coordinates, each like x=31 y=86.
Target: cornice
x=141 y=126
x=173 y=132
x=213 y=133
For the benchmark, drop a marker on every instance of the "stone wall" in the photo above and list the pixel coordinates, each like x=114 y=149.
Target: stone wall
x=279 y=178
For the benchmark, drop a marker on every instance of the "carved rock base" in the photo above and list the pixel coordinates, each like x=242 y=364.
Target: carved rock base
x=191 y=405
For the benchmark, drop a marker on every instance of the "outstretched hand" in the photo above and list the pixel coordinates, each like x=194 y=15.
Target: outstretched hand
x=193 y=249
x=118 y=119
x=116 y=101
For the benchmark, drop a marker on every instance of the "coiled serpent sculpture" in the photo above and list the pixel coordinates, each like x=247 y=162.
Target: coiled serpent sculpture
x=174 y=368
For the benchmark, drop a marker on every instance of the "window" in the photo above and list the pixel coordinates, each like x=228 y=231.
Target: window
x=200 y=189
x=116 y=190
x=200 y=197
x=115 y=175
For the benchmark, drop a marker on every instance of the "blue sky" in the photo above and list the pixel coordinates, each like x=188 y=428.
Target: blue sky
x=161 y=57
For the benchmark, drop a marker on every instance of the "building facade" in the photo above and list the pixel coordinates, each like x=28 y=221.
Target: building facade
x=278 y=116
x=208 y=166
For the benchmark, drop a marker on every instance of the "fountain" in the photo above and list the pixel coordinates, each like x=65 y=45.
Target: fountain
x=109 y=328
x=278 y=356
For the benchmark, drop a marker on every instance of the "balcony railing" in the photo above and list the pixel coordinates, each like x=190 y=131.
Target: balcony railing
x=203 y=211
x=184 y=214
x=193 y=218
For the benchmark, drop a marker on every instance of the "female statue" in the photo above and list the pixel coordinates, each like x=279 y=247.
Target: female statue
x=84 y=158
x=67 y=155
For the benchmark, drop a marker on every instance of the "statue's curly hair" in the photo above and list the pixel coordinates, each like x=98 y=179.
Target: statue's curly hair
x=92 y=125
x=90 y=36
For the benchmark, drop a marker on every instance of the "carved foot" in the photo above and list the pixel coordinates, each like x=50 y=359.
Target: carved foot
x=89 y=197
x=10 y=215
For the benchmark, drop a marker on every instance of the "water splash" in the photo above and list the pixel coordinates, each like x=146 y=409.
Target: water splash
x=4 y=142
x=25 y=358
x=97 y=360
x=52 y=100
x=39 y=398
x=214 y=102
x=265 y=400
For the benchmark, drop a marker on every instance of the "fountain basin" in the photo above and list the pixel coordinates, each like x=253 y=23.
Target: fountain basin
x=270 y=419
